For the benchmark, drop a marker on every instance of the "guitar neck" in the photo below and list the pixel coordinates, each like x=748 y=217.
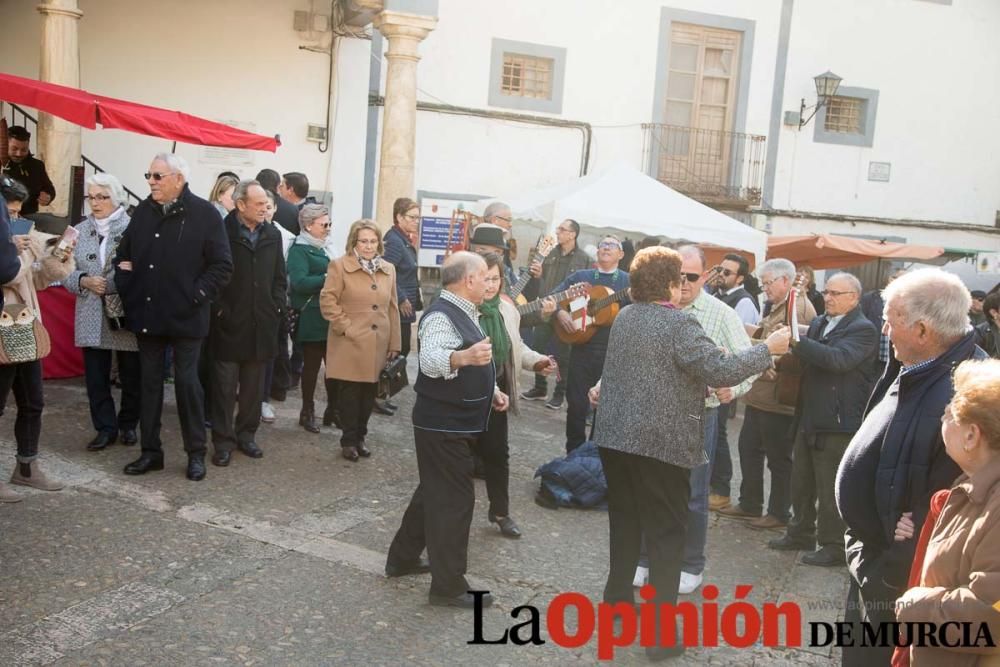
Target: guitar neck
x=537 y=303
x=518 y=287
x=601 y=304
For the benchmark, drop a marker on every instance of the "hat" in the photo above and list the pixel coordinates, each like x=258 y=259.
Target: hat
x=487 y=234
x=978 y=294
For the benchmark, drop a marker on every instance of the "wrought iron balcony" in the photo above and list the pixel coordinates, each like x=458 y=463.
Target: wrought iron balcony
x=720 y=169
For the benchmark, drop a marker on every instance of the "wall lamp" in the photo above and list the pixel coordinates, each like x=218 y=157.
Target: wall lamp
x=826 y=87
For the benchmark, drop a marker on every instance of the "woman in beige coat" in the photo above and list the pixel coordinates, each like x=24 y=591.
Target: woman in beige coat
x=359 y=300
x=500 y=321
x=39 y=268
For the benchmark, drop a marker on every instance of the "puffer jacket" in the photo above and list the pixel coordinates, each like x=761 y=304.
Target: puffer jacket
x=577 y=479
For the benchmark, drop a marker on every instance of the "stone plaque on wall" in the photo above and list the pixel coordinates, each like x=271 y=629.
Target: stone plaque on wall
x=879 y=171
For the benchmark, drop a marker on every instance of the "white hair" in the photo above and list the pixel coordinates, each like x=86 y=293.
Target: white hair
x=110 y=183
x=777 y=268
x=932 y=296
x=176 y=163
x=851 y=279
x=689 y=250
x=242 y=189
x=493 y=209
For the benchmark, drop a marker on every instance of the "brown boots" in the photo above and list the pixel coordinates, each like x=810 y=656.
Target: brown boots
x=30 y=474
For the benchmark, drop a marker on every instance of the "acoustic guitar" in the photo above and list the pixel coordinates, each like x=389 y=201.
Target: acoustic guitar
x=601 y=311
x=539 y=252
x=788 y=366
x=574 y=291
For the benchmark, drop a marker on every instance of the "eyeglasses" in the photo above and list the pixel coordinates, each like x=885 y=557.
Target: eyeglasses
x=367 y=241
x=500 y=217
x=156 y=176
x=609 y=245
x=409 y=216
x=691 y=277
x=767 y=283
x=97 y=198
x=563 y=229
x=834 y=293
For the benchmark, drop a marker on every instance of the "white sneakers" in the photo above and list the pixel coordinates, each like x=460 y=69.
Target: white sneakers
x=266 y=413
x=689 y=582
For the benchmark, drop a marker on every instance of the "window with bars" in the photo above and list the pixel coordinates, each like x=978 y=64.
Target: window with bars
x=845 y=115
x=527 y=76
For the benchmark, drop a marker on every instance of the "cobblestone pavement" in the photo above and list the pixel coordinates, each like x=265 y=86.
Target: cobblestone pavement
x=279 y=561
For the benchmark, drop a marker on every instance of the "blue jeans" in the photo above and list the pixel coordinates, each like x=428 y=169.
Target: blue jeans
x=722 y=463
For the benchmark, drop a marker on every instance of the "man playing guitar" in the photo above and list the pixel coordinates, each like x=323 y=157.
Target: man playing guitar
x=586 y=360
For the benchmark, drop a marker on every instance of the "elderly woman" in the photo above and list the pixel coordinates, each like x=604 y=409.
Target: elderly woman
x=221 y=196
x=101 y=336
x=401 y=253
x=308 y=262
x=359 y=300
x=649 y=427
x=500 y=321
x=960 y=577
x=41 y=264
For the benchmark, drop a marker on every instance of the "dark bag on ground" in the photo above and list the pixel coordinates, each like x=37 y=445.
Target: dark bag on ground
x=575 y=480
x=393 y=379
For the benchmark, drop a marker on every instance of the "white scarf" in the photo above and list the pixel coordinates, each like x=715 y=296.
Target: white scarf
x=305 y=238
x=103 y=228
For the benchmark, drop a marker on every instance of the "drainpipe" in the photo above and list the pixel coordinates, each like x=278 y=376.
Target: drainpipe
x=371 y=130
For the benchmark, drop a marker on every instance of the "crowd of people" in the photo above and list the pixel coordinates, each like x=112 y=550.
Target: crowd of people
x=866 y=412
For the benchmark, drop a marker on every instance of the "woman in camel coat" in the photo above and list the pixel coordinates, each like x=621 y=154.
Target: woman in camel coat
x=359 y=301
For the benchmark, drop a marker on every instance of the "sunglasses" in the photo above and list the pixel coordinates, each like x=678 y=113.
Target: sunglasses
x=610 y=245
x=727 y=272
x=691 y=277
x=156 y=176
x=327 y=225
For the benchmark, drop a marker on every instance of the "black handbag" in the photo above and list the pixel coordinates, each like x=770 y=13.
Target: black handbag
x=292 y=317
x=393 y=379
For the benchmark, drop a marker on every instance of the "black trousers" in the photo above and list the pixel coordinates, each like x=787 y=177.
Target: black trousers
x=405 y=334
x=313 y=357
x=814 y=474
x=236 y=384
x=277 y=379
x=859 y=609
x=25 y=379
x=586 y=363
x=646 y=498
x=187 y=388
x=766 y=435
x=97 y=372
x=355 y=401
x=440 y=513
x=493 y=448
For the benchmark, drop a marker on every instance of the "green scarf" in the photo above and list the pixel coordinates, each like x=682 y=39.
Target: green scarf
x=492 y=323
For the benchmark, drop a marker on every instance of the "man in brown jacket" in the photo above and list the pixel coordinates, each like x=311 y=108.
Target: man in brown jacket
x=767 y=423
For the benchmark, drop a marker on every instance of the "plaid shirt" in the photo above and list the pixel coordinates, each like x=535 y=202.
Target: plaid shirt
x=439 y=338
x=725 y=328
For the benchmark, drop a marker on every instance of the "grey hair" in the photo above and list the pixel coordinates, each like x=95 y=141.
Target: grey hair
x=777 y=268
x=458 y=266
x=851 y=279
x=932 y=296
x=110 y=183
x=242 y=188
x=493 y=209
x=310 y=213
x=689 y=250
x=176 y=163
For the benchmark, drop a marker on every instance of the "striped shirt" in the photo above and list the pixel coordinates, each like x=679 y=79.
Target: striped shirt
x=725 y=328
x=439 y=338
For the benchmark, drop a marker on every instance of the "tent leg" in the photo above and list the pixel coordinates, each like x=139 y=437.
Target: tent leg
x=173 y=149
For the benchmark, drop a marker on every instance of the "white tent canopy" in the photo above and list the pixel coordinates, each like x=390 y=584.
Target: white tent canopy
x=622 y=200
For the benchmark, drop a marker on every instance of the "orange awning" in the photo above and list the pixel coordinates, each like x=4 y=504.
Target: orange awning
x=714 y=255
x=830 y=251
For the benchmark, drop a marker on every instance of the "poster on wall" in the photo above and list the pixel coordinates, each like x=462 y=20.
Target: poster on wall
x=435 y=223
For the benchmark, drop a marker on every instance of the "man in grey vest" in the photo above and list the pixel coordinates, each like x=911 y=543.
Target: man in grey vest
x=456 y=393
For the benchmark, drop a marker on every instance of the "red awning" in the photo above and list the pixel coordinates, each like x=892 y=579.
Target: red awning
x=830 y=251
x=87 y=110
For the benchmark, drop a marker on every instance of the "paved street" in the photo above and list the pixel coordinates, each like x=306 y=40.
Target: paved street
x=279 y=561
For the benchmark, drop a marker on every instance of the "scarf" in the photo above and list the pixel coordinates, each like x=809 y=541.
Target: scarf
x=492 y=323
x=103 y=228
x=370 y=266
x=305 y=238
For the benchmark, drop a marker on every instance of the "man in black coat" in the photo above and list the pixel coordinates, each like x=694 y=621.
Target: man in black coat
x=245 y=318
x=286 y=213
x=897 y=460
x=837 y=377
x=872 y=306
x=29 y=170
x=171 y=263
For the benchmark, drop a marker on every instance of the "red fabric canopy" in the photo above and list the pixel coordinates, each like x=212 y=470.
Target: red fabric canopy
x=87 y=110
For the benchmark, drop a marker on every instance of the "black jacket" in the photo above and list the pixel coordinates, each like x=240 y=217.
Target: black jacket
x=838 y=373
x=10 y=263
x=180 y=263
x=245 y=316
x=31 y=173
x=988 y=338
x=872 y=306
x=286 y=214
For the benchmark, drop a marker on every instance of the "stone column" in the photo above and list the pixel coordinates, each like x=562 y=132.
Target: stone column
x=404 y=33
x=59 y=140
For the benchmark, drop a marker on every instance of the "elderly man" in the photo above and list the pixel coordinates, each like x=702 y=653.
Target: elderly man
x=837 y=377
x=245 y=318
x=768 y=423
x=456 y=386
x=168 y=273
x=489 y=238
x=897 y=461
x=724 y=327
x=29 y=170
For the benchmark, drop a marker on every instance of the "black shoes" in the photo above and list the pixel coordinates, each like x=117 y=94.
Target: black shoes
x=419 y=566
x=389 y=404
x=349 y=453
x=381 y=408
x=196 y=467
x=363 y=451
x=554 y=403
x=251 y=449
x=331 y=418
x=535 y=394
x=824 y=557
x=102 y=440
x=792 y=543
x=507 y=526
x=308 y=421
x=146 y=462
x=129 y=437
x=463 y=601
x=222 y=458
